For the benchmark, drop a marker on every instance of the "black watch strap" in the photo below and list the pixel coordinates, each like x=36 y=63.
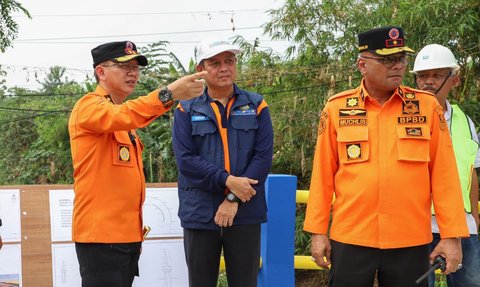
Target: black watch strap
x=231 y=197
x=166 y=97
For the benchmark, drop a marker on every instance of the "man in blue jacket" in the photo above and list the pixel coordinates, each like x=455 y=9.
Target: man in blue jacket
x=223 y=143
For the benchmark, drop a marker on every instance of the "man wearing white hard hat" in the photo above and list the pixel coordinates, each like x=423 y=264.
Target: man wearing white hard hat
x=223 y=143
x=436 y=70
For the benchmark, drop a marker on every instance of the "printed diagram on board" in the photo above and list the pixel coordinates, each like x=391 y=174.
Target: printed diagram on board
x=160 y=212
x=65 y=266
x=162 y=263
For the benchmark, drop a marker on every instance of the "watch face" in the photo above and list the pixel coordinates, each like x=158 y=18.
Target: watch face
x=231 y=197
x=165 y=96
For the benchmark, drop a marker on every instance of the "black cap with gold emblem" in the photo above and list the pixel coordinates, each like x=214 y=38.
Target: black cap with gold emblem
x=120 y=52
x=383 y=41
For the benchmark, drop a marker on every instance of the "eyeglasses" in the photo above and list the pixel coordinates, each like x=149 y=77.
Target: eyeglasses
x=126 y=67
x=388 y=62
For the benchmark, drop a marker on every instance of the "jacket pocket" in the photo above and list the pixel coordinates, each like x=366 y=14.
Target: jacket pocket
x=204 y=127
x=245 y=128
x=122 y=149
x=353 y=146
x=245 y=123
x=413 y=143
x=196 y=205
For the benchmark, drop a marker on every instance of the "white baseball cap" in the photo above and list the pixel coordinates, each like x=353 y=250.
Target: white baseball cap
x=213 y=45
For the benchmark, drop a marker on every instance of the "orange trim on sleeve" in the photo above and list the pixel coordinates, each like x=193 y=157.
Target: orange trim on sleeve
x=262 y=105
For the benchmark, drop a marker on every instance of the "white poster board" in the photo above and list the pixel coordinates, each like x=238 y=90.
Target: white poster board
x=160 y=212
x=10 y=215
x=162 y=262
x=11 y=265
x=61 y=210
x=65 y=266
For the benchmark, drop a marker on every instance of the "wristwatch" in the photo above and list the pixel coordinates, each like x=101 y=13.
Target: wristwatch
x=166 y=97
x=231 y=197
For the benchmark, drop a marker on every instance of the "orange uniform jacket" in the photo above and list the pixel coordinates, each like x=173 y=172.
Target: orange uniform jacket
x=385 y=164
x=108 y=171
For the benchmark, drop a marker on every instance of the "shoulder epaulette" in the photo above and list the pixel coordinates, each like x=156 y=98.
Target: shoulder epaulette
x=342 y=94
x=417 y=91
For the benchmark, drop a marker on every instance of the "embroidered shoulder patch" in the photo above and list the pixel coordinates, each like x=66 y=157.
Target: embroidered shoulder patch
x=441 y=117
x=323 y=122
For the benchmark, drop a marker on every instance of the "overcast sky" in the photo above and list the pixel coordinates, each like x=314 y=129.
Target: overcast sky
x=62 y=32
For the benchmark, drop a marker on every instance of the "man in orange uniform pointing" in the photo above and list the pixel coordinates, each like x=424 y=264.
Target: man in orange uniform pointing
x=107 y=160
x=384 y=151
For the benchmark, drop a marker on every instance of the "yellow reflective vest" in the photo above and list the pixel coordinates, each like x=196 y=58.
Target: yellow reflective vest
x=465 y=149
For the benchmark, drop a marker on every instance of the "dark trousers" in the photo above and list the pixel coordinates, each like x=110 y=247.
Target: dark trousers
x=356 y=266
x=241 y=249
x=108 y=265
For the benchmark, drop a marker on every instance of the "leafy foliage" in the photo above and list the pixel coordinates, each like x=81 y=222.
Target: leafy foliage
x=8 y=27
x=35 y=144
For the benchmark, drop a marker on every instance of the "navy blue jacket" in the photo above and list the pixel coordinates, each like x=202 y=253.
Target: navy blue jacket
x=200 y=157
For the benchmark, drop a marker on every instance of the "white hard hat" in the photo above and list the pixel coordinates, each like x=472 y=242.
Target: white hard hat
x=213 y=45
x=434 y=56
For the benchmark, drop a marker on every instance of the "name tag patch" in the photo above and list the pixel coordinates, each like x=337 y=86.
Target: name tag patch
x=412 y=119
x=199 y=118
x=352 y=122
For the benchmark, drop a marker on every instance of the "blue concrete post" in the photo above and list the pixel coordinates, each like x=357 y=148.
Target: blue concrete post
x=278 y=234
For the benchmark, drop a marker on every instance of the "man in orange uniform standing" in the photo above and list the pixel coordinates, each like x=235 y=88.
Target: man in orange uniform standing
x=107 y=159
x=384 y=151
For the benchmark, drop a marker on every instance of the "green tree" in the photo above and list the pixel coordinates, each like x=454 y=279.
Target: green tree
x=35 y=143
x=158 y=158
x=8 y=27
x=328 y=29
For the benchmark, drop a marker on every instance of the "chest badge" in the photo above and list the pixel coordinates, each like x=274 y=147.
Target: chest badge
x=414 y=131
x=351 y=112
x=352 y=102
x=411 y=108
x=124 y=153
x=354 y=151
